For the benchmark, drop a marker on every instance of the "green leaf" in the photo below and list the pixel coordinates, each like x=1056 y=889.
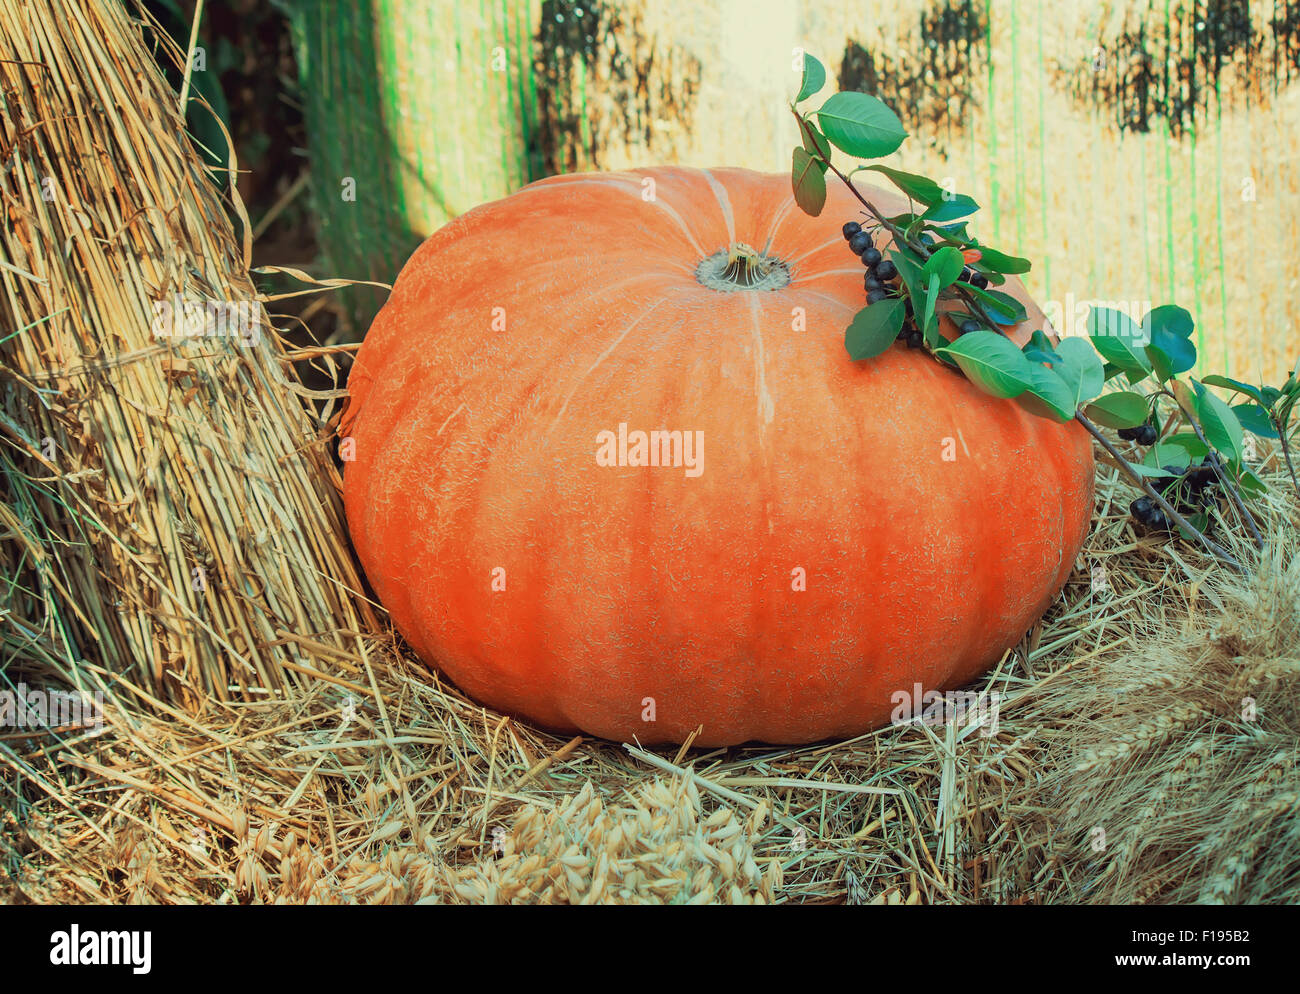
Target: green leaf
x=1080 y=369
x=950 y=208
x=943 y=206
x=992 y=275
x=903 y=221
x=954 y=232
x=1161 y=363
x=910 y=267
x=1000 y=262
x=1188 y=441
x=1180 y=353
x=1254 y=419
x=816 y=145
x=1112 y=371
x=1228 y=383
x=814 y=78
x=1142 y=469
x=1048 y=396
x=861 y=125
x=874 y=328
x=1039 y=348
x=1170 y=320
x=920 y=188
x=1221 y=427
x=1200 y=521
x=1106 y=322
x=946 y=263
x=808 y=182
x=1162 y=454
x=1251 y=485
x=993 y=363
x=1125 y=409
x=1001 y=307
x=1115 y=335
x=929 y=324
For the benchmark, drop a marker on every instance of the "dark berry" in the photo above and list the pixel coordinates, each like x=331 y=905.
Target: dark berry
x=1141 y=507
x=1158 y=521
x=860 y=242
x=876 y=295
x=1128 y=434
x=886 y=270
x=914 y=339
x=871 y=283
x=1147 y=435
x=870 y=256
x=966 y=275
x=979 y=280
x=851 y=229
x=969 y=326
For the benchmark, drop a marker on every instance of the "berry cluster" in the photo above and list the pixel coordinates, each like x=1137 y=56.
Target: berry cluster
x=1143 y=434
x=881 y=279
x=1189 y=490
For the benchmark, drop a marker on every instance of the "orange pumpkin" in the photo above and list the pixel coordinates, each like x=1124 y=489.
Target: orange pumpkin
x=845 y=531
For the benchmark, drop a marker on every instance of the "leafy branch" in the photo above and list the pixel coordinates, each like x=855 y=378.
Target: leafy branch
x=931 y=257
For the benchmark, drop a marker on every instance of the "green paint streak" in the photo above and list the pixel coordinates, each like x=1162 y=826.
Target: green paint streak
x=1218 y=206
x=582 y=105
x=1042 y=160
x=460 y=62
x=1196 y=249
x=1171 y=264
x=1169 y=180
x=1146 y=225
x=1017 y=140
x=378 y=104
x=520 y=51
x=992 y=121
x=385 y=16
x=497 y=96
x=436 y=182
x=1094 y=147
x=1196 y=226
x=537 y=167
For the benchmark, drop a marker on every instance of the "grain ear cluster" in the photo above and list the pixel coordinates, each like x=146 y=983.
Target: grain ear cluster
x=658 y=847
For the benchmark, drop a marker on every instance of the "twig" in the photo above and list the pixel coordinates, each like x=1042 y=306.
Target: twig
x=1229 y=486
x=899 y=235
x=1286 y=448
x=1140 y=481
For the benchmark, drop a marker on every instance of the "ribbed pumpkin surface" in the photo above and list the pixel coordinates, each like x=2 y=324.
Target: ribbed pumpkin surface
x=933 y=524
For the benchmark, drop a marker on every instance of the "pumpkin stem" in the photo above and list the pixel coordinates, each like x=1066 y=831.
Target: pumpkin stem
x=739 y=267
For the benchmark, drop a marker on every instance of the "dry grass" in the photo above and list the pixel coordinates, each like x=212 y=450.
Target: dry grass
x=1122 y=714
x=170 y=508
x=335 y=768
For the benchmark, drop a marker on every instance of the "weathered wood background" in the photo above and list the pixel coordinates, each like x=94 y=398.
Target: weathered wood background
x=1138 y=151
